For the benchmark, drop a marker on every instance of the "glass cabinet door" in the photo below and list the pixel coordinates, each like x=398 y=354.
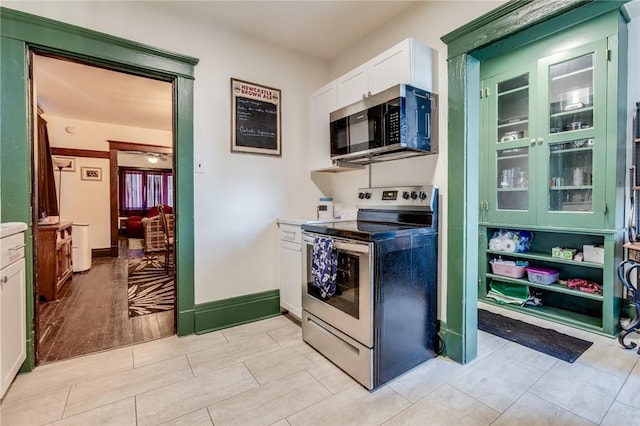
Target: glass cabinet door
x=571 y=94
x=574 y=149
x=571 y=176
x=507 y=133
x=512 y=185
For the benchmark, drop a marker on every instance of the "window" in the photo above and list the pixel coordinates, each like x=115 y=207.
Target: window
x=140 y=190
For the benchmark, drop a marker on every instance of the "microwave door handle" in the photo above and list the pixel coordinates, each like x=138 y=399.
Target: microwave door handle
x=427 y=125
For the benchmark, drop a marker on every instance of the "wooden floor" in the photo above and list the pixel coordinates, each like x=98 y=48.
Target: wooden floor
x=92 y=314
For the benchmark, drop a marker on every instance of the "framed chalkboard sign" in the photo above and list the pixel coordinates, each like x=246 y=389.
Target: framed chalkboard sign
x=255 y=118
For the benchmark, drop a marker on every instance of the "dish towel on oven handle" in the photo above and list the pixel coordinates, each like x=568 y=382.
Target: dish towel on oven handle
x=324 y=266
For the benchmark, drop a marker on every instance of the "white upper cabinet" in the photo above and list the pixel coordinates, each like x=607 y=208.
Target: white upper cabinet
x=323 y=102
x=353 y=86
x=408 y=62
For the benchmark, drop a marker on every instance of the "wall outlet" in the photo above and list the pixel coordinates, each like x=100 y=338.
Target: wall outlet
x=198 y=165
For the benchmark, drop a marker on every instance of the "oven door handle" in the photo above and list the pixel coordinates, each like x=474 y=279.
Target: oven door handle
x=351 y=248
x=342 y=245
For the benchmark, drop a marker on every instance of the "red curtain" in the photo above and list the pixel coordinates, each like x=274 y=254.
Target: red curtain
x=140 y=190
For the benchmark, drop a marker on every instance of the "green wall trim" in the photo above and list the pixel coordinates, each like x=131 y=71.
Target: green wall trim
x=21 y=32
x=514 y=24
x=495 y=29
x=51 y=34
x=239 y=310
x=15 y=156
x=185 y=223
x=186 y=322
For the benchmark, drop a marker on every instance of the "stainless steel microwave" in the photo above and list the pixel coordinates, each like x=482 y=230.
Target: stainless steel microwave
x=399 y=122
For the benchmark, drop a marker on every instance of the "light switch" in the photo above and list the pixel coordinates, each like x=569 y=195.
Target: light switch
x=199 y=165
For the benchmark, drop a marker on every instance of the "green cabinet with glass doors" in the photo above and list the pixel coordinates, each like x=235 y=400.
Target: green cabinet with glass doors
x=553 y=155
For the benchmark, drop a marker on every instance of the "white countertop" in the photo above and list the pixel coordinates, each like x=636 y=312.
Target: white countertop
x=10 y=228
x=299 y=222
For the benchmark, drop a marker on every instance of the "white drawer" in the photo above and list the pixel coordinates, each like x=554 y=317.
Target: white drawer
x=290 y=233
x=11 y=249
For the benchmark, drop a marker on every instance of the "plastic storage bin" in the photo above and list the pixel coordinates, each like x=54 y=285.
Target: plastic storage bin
x=507 y=268
x=540 y=275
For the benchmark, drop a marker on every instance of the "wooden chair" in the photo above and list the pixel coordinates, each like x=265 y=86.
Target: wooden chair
x=169 y=239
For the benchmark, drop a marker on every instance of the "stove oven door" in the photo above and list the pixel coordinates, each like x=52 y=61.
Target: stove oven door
x=350 y=309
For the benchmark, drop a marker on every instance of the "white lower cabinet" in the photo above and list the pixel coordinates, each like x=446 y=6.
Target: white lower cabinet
x=291 y=269
x=13 y=303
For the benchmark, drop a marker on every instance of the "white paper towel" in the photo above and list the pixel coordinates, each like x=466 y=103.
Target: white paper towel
x=495 y=244
x=509 y=246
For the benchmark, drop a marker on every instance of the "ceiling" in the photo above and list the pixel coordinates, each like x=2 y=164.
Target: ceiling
x=321 y=29
x=81 y=92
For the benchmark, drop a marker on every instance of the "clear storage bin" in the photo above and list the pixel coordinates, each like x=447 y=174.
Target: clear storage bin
x=541 y=275
x=507 y=268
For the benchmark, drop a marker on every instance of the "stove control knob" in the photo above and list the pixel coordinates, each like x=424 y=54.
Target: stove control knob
x=367 y=195
x=405 y=195
x=361 y=195
x=422 y=195
x=414 y=195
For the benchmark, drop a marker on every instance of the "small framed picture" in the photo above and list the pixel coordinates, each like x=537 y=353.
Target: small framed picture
x=65 y=164
x=91 y=173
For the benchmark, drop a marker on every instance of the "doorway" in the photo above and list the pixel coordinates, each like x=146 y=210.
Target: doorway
x=86 y=106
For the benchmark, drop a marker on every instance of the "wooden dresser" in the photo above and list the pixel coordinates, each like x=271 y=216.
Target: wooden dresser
x=54 y=259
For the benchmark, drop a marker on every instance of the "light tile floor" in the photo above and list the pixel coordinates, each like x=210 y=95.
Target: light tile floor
x=263 y=374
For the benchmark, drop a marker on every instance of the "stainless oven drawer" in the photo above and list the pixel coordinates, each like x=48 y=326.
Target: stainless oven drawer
x=354 y=358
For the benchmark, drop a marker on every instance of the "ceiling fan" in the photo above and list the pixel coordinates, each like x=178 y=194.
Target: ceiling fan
x=152 y=157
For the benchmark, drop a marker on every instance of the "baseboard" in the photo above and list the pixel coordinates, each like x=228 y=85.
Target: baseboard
x=101 y=252
x=227 y=313
x=186 y=320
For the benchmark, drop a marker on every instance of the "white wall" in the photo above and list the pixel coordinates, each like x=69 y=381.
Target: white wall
x=84 y=201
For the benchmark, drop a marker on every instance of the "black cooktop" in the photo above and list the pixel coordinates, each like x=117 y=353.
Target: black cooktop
x=367 y=231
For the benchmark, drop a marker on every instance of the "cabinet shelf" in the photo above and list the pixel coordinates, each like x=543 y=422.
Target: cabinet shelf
x=552 y=313
x=513 y=189
x=513 y=157
x=571 y=187
x=559 y=288
x=573 y=111
x=546 y=258
x=572 y=73
x=514 y=90
x=565 y=151
x=512 y=123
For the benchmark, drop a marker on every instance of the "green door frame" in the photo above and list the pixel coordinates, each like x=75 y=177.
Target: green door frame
x=502 y=30
x=19 y=33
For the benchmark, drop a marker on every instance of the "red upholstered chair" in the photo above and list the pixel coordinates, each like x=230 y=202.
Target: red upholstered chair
x=134 y=225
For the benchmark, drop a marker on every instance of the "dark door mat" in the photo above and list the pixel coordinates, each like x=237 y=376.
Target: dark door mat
x=547 y=341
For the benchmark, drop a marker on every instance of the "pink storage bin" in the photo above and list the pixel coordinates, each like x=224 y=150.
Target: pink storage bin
x=507 y=269
x=539 y=275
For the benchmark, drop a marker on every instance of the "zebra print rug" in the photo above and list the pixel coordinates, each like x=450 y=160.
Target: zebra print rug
x=150 y=287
